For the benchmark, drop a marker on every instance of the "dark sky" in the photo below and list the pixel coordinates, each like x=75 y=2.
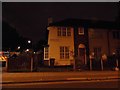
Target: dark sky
x=30 y=19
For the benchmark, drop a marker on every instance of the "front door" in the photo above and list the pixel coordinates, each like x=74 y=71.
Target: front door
x=81 y=55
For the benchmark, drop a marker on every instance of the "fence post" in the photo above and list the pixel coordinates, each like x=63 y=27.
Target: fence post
x=91 y=58
x=101 y=64
x=117 y=68
x=90 y=64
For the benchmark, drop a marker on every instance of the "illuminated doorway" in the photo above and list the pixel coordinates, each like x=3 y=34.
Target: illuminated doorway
x=82 y=54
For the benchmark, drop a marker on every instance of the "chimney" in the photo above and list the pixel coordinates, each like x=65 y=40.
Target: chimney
x=50 y=20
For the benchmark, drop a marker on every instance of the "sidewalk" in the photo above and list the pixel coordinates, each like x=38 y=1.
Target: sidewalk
x=31 y=77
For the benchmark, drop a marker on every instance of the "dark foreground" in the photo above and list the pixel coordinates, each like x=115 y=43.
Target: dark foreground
x=66 y=84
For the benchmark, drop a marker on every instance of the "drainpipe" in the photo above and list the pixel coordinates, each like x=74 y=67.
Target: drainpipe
x=108 y=42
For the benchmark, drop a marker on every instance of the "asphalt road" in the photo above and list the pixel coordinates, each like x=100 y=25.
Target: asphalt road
x=46 y=76
x=66 y=84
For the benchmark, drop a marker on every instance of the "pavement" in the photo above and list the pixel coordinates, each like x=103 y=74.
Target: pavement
x=33 y=77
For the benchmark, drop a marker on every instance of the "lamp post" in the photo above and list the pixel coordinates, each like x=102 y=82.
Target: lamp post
x=116 y=60
x=91 y=59
x=104 y=57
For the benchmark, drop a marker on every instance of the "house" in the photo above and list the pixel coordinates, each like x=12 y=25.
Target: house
x=73 y=40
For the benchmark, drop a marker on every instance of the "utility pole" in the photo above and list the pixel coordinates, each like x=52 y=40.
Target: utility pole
x=101 y=64
x=90 y=64
x=91 y=60
x=103 y=58
x=31 y=68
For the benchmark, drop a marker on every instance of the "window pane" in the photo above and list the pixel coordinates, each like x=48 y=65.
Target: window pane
x=66 y=49
x=64 y=52
x=63 y=31
x=81 y=31
x=59 y=31
x=68 y=32
x=46 y=52
x=67 y=55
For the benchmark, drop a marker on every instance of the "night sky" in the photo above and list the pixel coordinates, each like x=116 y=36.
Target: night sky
x=30 y=19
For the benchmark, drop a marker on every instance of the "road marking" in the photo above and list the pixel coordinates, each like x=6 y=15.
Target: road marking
x=76 y=78
x=63 y=82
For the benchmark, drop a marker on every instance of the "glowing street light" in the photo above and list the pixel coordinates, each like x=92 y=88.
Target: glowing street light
x=29 y=41
x=18 y=47
x=27 y=50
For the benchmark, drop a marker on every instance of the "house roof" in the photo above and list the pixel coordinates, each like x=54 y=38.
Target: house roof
x=87 y=23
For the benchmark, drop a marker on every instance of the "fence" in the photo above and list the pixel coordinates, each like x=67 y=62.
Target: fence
x=23 y=63
x=109 y=64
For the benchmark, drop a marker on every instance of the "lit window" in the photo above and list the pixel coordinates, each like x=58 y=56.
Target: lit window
x=81 y=31
x=63 y=31
x=46 y=53
x=64 y=52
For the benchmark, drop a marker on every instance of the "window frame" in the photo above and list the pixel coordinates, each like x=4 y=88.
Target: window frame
x=63 y=31
x=46 y=53
x=81 y=31
x=64 y=52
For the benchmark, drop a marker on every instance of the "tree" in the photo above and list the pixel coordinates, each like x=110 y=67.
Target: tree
x=40 y=45
x=10 y=37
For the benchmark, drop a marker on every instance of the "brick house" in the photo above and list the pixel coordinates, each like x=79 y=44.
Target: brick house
x=73 y=40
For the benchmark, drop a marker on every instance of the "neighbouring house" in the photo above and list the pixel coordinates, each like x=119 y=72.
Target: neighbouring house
x=73 y=40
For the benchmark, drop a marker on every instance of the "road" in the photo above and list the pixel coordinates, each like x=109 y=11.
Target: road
x=48 y=76
x=87 y=79
x=67 y=84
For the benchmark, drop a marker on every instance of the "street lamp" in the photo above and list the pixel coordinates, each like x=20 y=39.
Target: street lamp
x=29 y=41
x=27 y=50
x=18 y=47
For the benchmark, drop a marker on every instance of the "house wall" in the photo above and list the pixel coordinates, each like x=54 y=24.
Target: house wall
x=93 y=38
x=103 y=38
x=98 y=38
x=83 y=40
x=114 y=43
x=55 y=42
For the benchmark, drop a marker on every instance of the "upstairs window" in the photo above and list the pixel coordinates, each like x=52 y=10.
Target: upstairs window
x=63 y=31
x=116 y=34
x=81 y=31
x=68 y=31
x=59 y=31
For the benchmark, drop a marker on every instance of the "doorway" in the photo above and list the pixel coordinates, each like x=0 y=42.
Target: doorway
x=82 y=54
